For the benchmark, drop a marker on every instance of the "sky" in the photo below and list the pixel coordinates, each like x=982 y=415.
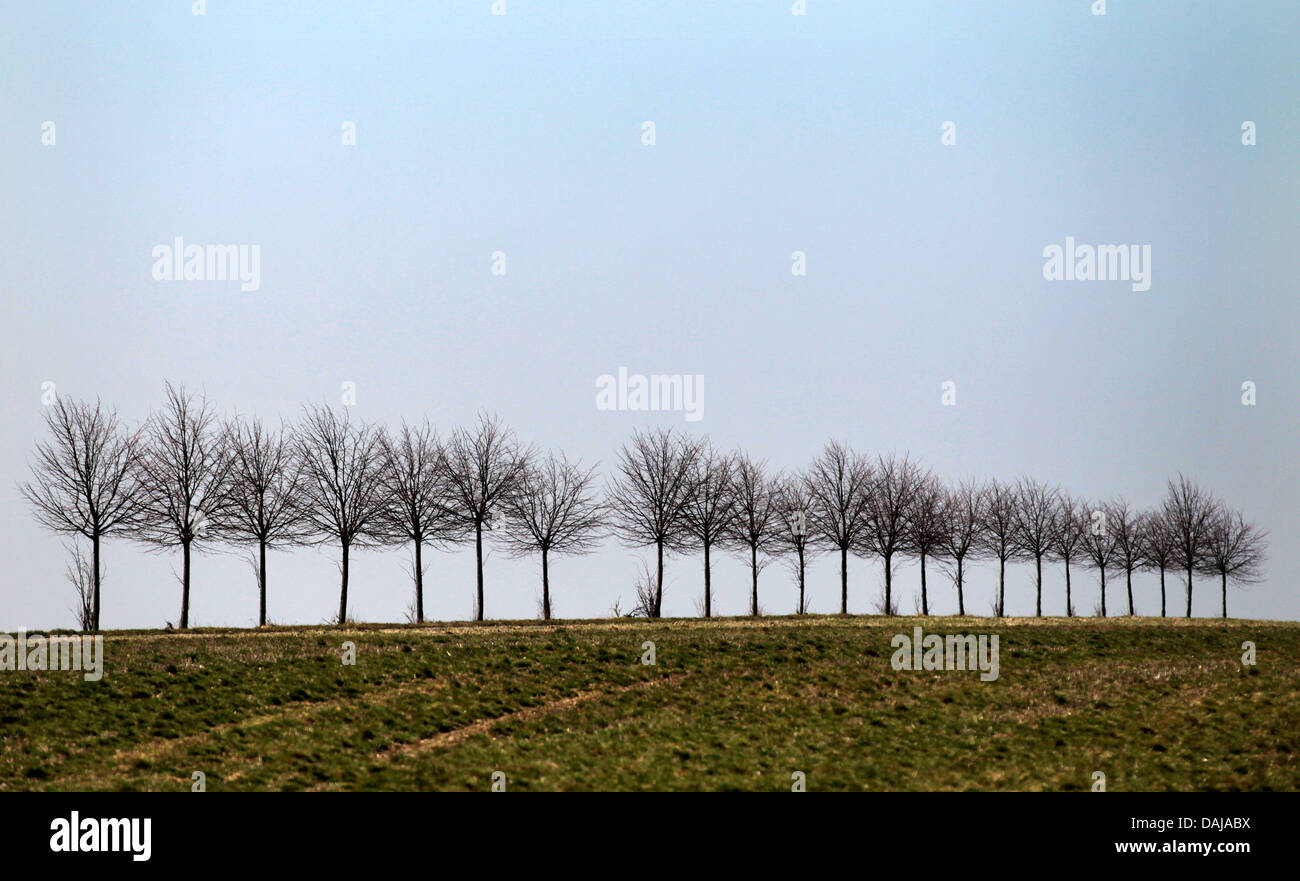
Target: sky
x=520 y=140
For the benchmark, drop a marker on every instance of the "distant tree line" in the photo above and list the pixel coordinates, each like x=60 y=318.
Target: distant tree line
x=187 y=479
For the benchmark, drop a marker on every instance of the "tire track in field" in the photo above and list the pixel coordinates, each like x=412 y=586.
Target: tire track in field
x=456 y=736
x=159 y=748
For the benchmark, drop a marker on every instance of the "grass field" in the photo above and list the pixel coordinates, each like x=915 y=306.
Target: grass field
x=729 y=704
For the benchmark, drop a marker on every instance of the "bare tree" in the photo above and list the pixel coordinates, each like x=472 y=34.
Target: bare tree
x=84 y=480
x=1234 y=551
x=415 y=488
x=894 y=485
x=650 y=497
x=755 y=526
x=647 y=595
x=711 y=509
x=483 y=470
x=1125 y=526
x=81 y=575
x=552 y=510
x=343 y=485
x=794 y=502
x=1099 y=546
x=1069 y=534
x=263 y=503
x=926 y=524
x=998 y=534
x=1035 y=505
x=1189 y=512
x=1158 y=547
x=839 y=484
x=183 y=474
x=964 y=516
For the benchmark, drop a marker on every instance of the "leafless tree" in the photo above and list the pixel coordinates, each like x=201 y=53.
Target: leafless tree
x=711 y=509
x=184 y=470
x=1035 y=506
x=1069 y=534
x=415 y=488
x=1158 y=547
x=646 y=593
x=344 y=497
x=964 y=516
x=839 y=484
x=553 y=510
x=81 y=575
x=926 y=524
x=998 y=534
x=756 y=525
x=1189 y=512
x=84 y=480
x=794 y=502
x=484 y=467
x=263 y=503
x=1234 y=551
x=894 y=484
x=649 y=499
x=1099 y=546
x=1126 y=527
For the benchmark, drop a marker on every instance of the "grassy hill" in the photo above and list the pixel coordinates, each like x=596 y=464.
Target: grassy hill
x=729 y=704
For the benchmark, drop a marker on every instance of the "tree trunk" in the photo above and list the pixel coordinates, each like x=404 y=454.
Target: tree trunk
x=925 y=600
x=1129 y=580
x=546 y=588
x=1001 y=586
x=708 y=583
x=961 y=600
x=1069 y=603
x=343 y=589
x=478 y=556
x=753 y=568
x=844 y=580
x=1162 y=591
x=185 y=585
x=419 y=581
x=1038 y=602
x=94 y=623
x=889 y=585
x=1189 y=591
x=799 y=550
x=261 y=583
x=1103 y=591
x=1224 y=576
x=659 y=582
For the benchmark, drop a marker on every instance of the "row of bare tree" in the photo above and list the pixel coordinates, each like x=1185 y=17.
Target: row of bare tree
x=187 y=478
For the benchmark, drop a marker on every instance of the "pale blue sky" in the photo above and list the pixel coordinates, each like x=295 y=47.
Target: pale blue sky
x=775 y=133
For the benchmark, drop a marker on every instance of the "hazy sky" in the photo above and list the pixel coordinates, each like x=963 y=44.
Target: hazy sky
x=774 y=133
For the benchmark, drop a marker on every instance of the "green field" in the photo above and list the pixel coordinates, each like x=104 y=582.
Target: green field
x=735 y=704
